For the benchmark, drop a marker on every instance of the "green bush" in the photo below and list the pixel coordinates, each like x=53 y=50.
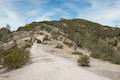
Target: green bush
x=38 y=41
x=1 y=51
x=105 y=52
x=28 y=44
x=83 y=60
x=15 y=57
x=77 y=53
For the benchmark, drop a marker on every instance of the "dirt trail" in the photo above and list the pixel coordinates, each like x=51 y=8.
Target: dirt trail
x=49 y=67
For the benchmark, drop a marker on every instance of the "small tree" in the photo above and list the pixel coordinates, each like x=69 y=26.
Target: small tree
x=8 y=27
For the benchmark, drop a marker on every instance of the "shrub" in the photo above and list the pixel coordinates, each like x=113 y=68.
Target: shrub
x=60 y=46
x=15 y=57
x=46 y=39
x=28 y=44
x=77 y=53
x=106 y=52
x=1 y=51
x=61 y=38
x=39 y=41
x=83 y=60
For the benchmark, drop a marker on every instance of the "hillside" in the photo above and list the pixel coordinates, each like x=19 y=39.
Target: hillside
x=102 y=41
x=60 y=43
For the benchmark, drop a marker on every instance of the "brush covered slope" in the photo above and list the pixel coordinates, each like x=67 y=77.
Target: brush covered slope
x=102 y=41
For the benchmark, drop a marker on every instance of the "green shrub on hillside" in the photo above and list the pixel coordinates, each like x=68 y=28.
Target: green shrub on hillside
x=83 y=60
x=77 y=53
x=15 y=57
x=105 y=52
x=28 y=44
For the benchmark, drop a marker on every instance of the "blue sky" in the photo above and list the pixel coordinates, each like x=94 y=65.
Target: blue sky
x=20 y=12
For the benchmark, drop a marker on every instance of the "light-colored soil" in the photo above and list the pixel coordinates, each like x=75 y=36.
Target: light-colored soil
x=46 y=66
x=105 y=68
x=102 y=68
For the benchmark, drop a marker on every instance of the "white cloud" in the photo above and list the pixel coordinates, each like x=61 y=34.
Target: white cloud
x=10 y=15
x=55 y=12
x=33 y=13
x=102 y=11
x=45 y=16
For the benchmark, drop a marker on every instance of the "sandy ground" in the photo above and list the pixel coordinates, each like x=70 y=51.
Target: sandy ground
x=105 y=68
x=46 y=66
x=102 y=68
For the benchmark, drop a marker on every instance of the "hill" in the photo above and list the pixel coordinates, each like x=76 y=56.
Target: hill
x=102 y=41
x=66 y=40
